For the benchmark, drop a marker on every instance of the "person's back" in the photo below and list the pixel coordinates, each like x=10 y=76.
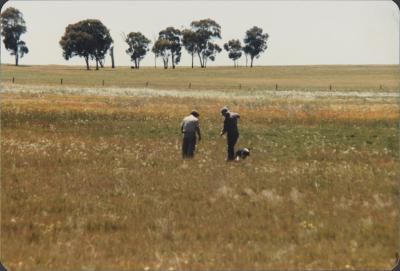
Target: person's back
x=190 y=124
x=232 y=131
x=190 y=127
x=230 y=124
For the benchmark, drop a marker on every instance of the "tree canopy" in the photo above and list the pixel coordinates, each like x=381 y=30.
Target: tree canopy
x=161 y=49
x=205 y=31
x=13 y=26
x=168 y=45
x=89 y=39
x=210 y=52
x=138 y=47
x=234 y=49
x=189 y=41
x=255 y=43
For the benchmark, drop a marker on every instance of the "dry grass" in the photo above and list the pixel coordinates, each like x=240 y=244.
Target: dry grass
x=97 y=182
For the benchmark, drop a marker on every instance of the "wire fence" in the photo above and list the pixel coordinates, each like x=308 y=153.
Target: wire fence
x=190 y=85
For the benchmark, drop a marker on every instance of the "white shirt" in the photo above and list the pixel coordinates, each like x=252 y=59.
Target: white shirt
x=190 y=124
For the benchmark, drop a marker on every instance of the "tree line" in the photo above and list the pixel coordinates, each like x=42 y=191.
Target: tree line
x=91 y=40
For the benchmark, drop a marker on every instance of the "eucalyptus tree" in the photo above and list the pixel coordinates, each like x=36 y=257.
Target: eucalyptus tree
x=189 y=41
x=255 y=43
x=234 y=49
x=138 y=47
x=169 y=45
x=173 y=36
x=12 y=27
x=89 y=39
x=206 y=31
x=161 y=49
x=210 y=52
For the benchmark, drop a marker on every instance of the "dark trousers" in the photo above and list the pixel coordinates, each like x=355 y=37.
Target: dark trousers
x=232 y=139
x=188 y=145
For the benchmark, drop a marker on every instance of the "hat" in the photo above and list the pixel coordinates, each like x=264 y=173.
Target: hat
x=195 y=113
x=224 y=109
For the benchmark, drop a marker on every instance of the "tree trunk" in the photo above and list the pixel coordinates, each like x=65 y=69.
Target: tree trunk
x=112 y=57
x=97 y=64
x=201 y=61
x=101 y=63
x=251 y=62
x=246 y=59
x=165 y=63
x=16 y=56
x=173 y=60
x=87 y=62
x=192 y=59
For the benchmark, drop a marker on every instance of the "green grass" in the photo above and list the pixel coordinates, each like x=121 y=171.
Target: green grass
x=368 y=77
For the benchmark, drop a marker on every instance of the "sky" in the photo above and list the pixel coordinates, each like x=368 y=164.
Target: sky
x=300 y=32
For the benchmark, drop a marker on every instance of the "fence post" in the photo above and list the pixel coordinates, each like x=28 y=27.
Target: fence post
x=380 y=87
x=276 y=86
x=102 y=83
x=61 y=81
x=147 y=84
x=13 y=80
x=330 y=87
x=190 y=85
x=240 y=86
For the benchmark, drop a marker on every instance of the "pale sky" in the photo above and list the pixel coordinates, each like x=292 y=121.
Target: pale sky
x=301 y=32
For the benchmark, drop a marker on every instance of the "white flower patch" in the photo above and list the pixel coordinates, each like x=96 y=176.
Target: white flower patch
x=243 y=94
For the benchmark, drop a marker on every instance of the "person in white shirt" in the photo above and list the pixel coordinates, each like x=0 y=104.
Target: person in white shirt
x=190 y=127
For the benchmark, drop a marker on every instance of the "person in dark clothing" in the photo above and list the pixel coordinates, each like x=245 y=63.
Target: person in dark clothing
x=189 y=128
x=231 y=129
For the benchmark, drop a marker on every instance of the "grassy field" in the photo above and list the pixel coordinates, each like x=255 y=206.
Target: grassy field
x=97 y=182
x=219 y=78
